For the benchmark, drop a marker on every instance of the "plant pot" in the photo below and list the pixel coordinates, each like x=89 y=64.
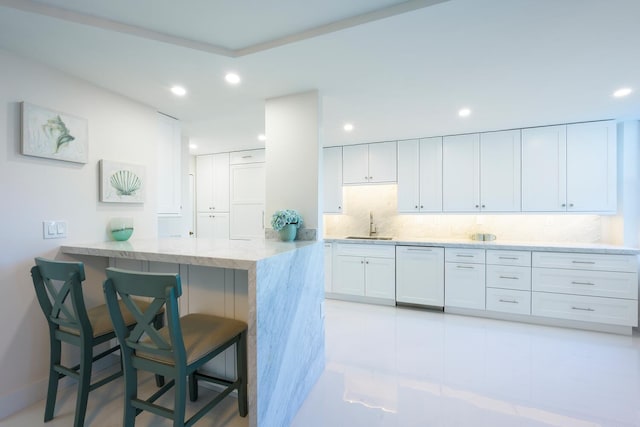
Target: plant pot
x=288 y=233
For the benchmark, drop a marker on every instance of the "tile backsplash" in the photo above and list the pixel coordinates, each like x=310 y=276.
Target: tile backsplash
x=381 y=200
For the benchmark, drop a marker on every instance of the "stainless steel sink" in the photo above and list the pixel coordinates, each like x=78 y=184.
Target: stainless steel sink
x=368 y=238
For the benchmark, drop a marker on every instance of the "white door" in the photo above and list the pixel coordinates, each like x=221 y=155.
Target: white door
x=591 y=167
x=380 y=277
x=408 y=176
x=355 y=164
x=420 y=275
x=500 y=171
x=382 y=162
x=349 y=275
x=247 y=201
x=332 y=179
x=544 y=169
x=220 y=198
x=465 y=285
x=460 y=173
x=431 y=174
x=204 y=183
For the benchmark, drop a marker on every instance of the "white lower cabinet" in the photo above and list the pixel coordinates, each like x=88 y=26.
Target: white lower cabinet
x=213 y=226
x=420 y=275
x=464 y=274
x=364 y=271
x=328 y=254
x=598 y=288
x=509 y=301
x=509 y=281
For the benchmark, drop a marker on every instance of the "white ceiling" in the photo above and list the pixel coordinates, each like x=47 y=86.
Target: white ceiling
x=395 y=69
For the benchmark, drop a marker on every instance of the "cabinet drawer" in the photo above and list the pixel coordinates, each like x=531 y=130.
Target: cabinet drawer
x=509 y=277
x=521 y=258
x=509 y=301
x=578 y=261
x=475 y=256
x=249 y=156
x=377 y=251
x=594 y=283
x=611 y=311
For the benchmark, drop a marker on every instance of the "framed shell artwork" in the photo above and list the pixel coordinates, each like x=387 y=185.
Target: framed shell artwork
x=54 y=135
x=121 y=182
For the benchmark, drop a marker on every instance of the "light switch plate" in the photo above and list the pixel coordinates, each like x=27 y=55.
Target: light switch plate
x=54 y=229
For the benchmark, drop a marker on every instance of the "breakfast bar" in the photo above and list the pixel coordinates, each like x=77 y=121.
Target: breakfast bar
x=275 y=287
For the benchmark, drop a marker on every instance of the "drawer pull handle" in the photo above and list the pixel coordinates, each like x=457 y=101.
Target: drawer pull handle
x=247 y=157
x=508 y=300
x=419 y=249
x=507 y=257
x=464 y=266
x=464 y=256
x=509 y=277
x=582 y=309
x=583 y=262
x=583 y=283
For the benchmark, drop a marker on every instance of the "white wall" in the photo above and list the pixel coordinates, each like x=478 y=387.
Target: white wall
x=35 y=189
x=293 y=151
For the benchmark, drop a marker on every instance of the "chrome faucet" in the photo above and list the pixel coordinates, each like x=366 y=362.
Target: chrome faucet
x=372 y=227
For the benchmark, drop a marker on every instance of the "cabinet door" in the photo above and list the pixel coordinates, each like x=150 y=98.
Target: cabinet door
x=355 y=164
x=430 y=175
x=247 y=201
x=408 y=176
x=380 y=277
x=460 y=173
x=420 y=275
x=544 y=163
x=591 y=167
x=213 y=225
x=464 y=284
x=349 y=275
x=332 y=179
x=328 y=254
x=204 y=183
x=169 y=152
x=382 y=162
x=220 y=198
x=500 y=171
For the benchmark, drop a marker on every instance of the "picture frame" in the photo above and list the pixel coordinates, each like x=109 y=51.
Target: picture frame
x=53 y=134
x=122 y=182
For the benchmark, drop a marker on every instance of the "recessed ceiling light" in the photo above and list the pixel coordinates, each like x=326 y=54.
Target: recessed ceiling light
x=232 y=78
x=193 y=146
x=622 y=92
x=464 y=112
x=348 y=127
x=262 y=137
x=179 y=91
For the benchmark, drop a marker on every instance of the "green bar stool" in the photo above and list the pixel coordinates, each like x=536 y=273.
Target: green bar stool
x=175 y=351
x=58 y=286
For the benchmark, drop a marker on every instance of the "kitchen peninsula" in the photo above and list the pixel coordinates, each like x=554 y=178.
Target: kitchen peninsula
x=276 y=287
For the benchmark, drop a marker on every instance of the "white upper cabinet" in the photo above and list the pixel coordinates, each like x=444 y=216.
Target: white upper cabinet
x=544 y=169
x=169 y=154
x=500 y=171
x=420 y=175
x=212 y=183
x=569 y=168
x=591 y=167
x=461 y=173
x=369 y=163
x=332 y=179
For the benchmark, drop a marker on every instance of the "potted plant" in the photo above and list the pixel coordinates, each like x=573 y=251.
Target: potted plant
x=286 y=222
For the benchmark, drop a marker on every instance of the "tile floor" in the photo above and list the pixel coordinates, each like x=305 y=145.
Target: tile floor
x=402 y=367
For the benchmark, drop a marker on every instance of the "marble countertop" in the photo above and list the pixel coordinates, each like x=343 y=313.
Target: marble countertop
x=497 y=244
x=237 y=254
